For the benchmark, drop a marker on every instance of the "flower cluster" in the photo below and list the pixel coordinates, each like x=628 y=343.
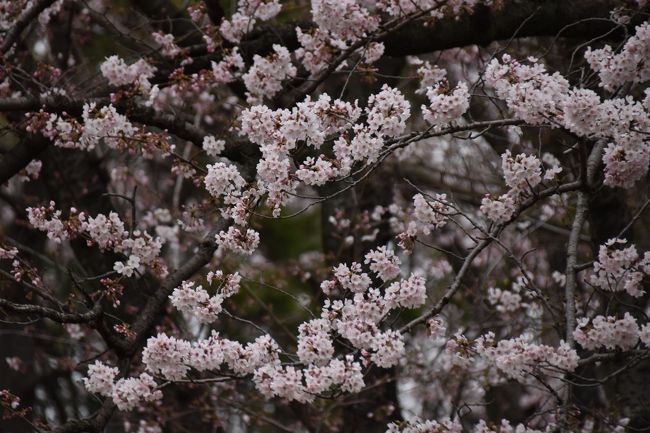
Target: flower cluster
x=107 y=232
x=48 y=219
x=316 y=49
x=610 y=333
x=168 y=47
x=244 y=20
x=287 y=382
x=224 y=181
x=387 y=112
x=420 y=426
x=429 y=212
x=356 y=319
x=118 y=73
x=238 y=241
x=342 y=23
x=620 y=269
x=409 y=293
x=314 y=343
x=131 y=392
x=229 y=284
x=31 y=171
x=212 y=146
x=505 y=427
x=504 y=300
x=540 y=98
x=629 y=65
x=316 y=172
x=278 y=132
x=529 y=91
x=522 y=173
x=195 y=301
x=343 y=20
x=229 y=67
x=98 y=125
x=264 y=79
x=384 y=263
x=445 y=105
x=126 y=393
x=173 y=358
x=623 y=122
x=101 y=378
x=515 y=357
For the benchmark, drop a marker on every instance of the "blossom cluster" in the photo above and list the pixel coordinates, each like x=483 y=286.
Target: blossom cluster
x=10 y=11
x=628 y=65
x=287 y=381
x=609 y=333
x=99 y=125
x=435 y=8
x=541 y=98
x=277 y=132
x=529 y=91
x=422 y=426
x=107 y=232
x=230 y=66
x=246 y=16
x=118 y=73
x=173 y=358
x=517 y=356
x=195 y=301
x=238 y=240
x=343 y=20
x=620 y=269
x=264 y=78
x=522 y=173
x=428 y=213
x=31 y=171
x=429 y=75
x=213 y=146
x=126 y=393
x=168 y=47
x=341 y=24
x=445 y=104
x=357 y=319
x=224 y=181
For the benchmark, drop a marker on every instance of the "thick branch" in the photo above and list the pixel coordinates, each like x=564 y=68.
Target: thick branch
x=571 y=263
x=154 y=306
x=582 y=18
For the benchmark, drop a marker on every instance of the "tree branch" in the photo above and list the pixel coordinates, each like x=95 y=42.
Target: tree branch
x=581 y=18
x=49 y=313
x=23 y=21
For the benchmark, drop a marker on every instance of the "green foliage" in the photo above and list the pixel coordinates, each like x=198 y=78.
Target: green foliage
x=286 y=239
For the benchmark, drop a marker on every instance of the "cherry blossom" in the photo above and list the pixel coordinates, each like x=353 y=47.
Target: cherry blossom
x=118 y=73
x=445 y=105
x=239 y=206
x=607 y=332
x=620 y=269
x=101 y=378
x=264 y=78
